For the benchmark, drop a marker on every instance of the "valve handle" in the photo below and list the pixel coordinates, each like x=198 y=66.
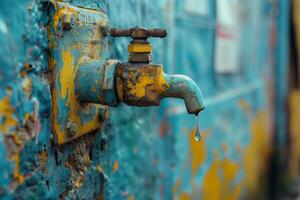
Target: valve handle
x=138 y=33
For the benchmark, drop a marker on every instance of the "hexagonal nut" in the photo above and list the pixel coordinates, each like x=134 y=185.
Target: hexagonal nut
x=68 y=21
x=108 y=83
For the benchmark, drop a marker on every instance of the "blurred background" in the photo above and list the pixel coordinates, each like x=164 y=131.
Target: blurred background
x=242 y=54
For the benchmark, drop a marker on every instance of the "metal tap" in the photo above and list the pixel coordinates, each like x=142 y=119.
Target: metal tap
x=137 y=82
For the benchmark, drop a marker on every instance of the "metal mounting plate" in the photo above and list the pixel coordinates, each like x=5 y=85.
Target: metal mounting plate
x=74 y=38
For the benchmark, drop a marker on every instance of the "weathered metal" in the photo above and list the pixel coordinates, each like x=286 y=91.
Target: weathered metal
x=95 y=82
x=147 y=85
x=143 y=153
x=74 y=39
x=139 y=49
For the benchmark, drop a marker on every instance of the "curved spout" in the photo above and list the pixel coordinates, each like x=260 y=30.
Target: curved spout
x=184 y=88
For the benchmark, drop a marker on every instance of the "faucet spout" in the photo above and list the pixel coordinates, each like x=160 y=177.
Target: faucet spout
x=185 y=88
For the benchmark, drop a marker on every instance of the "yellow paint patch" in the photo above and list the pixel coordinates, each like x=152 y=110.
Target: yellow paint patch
x=218 y=181
x=230 y=169
x=198 y=152
x=66 y=79
x=20 y=178
x=139 y=48
x=67 y=74
x=256 y=154
x=100 y=169
x=115 y=166
x=6 y=113
x=27 y=86
x=294 y=127
x=184 y=196
x=146 y=81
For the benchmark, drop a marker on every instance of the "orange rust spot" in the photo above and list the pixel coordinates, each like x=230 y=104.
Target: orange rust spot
x=176 y=186
x=245 y=106
x=115 y=166
x=16 y=140
x=131 y=197
x=44 y=157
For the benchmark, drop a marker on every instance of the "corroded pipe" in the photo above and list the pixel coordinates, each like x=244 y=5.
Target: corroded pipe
x=185 y=88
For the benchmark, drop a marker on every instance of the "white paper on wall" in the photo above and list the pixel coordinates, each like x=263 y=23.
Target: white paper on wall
x=199 y=7
x=227 y=47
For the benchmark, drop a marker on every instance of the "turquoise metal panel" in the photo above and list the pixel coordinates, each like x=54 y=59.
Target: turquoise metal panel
x=141 y=153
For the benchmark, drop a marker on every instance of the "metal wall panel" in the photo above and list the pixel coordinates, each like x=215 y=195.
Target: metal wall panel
x=140 y=153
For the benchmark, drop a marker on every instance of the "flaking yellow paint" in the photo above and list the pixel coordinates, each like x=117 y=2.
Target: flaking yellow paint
x=67 y=74
x=67 y=91
x=139 y=86
x=6 y=112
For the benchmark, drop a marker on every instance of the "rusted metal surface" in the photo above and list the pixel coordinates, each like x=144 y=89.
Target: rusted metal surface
x=95 y=82
x=139 y=153
x=74 y=39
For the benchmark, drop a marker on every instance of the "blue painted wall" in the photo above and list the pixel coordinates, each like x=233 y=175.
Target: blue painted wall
x=143 y=153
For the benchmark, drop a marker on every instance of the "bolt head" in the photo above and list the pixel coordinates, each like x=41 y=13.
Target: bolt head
x=68 y=21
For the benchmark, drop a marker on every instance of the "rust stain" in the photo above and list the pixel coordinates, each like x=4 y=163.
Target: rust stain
x=176 y=186
x=17 y=176
x=244 y=105
x=115 y=166
x=138 y=85
x=131 y=197
x=44 y=157
x=66 y=79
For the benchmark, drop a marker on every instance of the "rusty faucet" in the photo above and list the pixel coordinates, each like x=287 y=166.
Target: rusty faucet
x=137 y=82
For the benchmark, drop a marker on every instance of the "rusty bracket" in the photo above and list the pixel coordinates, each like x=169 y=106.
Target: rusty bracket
x=74 y=38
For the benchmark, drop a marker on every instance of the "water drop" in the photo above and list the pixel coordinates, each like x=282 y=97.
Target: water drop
x=197 y=134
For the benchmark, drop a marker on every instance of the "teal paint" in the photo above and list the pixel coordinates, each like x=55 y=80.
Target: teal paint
x=148 y=143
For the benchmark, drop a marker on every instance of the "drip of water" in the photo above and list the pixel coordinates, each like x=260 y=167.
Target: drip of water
x=197 y=134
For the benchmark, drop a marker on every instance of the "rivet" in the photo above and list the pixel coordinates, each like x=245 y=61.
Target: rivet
x=68 y=21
